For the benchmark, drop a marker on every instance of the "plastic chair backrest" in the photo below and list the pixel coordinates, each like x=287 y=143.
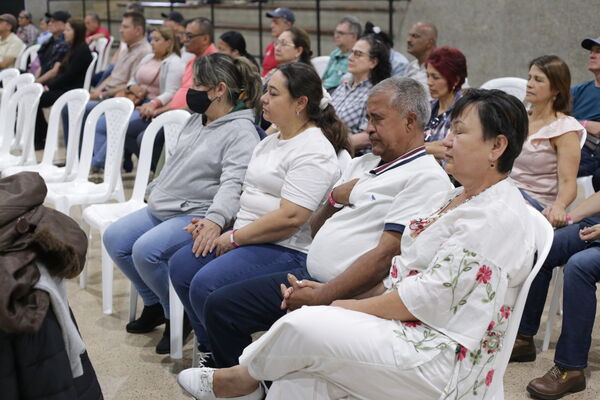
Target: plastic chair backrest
x=24 y=102
x=515 y=86
x=76 y=101
x=106 y=56
x=7 y=75
x=320 y=64
x=344 y=159
x=117 y=112
x=582 y=139
x=171 y=122
x=28 y=55
x=544 y=234
x=100 y=46
x=9 y=89
x=90 y=71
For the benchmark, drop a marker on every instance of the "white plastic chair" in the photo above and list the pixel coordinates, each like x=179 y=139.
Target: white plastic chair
x=100 y=47
x=344 y=159
x=515 y=86
x=106 y=56
x=87 y=82
x=544 y=234
x=76 y=101
x=320 y=64
x=23 y=103
x=81 y=192
x=6 y=75
x=100 y=216
x=28 y=56
x=9 y=89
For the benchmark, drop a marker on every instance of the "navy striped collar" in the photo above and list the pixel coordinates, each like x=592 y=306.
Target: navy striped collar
x=403 y=159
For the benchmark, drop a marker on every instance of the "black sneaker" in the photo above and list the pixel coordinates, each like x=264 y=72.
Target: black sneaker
x=164 y=345
x=205 y=357
x=152 y=316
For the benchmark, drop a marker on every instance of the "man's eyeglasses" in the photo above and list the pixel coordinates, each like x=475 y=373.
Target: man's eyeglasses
x=342 y=33
x=189 y=36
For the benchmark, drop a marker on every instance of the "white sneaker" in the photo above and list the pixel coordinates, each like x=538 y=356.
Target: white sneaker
x=198 y=382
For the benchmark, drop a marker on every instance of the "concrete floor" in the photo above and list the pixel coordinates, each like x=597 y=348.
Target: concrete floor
x=128 y=367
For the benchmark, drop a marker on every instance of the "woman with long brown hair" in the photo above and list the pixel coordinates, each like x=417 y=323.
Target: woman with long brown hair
x=546 y=169
x=66 y=75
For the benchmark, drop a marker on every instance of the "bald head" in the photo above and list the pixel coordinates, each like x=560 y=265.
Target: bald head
x=422 y=40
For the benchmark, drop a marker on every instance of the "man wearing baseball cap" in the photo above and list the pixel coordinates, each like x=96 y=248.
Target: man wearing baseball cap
x=281 y=19
x=586 y=108
x=10 y=44
x=55 y=48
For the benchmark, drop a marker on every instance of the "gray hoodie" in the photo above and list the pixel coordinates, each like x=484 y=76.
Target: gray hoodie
x=205 y=172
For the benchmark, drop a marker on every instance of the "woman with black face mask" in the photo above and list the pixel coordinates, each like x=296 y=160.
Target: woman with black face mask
x=199 y=186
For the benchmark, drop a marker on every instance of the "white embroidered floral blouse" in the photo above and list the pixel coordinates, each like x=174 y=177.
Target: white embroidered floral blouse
x=459 y=275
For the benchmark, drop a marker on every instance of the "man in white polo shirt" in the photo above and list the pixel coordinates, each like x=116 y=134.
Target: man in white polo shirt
x=357 y=231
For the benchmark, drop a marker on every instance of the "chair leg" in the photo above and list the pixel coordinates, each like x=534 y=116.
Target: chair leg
x=176 y=311
x=195 y=353
x=133 y=296
x=107 y=281
x=554 y=305
x=83 y=275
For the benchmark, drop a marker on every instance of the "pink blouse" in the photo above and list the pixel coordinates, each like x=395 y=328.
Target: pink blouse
x=148 y=76
x=535 y=170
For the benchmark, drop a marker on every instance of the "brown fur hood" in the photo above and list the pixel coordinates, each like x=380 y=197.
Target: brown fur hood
x=30 y=231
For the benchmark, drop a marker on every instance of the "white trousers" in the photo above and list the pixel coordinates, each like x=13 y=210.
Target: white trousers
x=327 y=353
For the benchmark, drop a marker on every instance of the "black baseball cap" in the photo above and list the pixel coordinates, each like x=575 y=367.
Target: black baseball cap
x=174 y=16
x=589 y=43
x=62 y=16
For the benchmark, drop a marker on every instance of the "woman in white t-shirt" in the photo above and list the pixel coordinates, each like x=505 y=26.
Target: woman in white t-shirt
x=288 y=178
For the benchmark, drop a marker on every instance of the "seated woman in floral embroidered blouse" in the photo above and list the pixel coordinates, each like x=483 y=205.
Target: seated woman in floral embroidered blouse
x=546 y=169
x=433 y=327
x=446 y=73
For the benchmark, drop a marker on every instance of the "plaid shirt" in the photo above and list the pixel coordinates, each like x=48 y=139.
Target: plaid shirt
x=28 y=34
x=52 y=51
x=438 y=126
x=350 y=104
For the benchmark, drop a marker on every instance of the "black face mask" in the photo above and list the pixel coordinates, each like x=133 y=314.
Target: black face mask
x=197 y=100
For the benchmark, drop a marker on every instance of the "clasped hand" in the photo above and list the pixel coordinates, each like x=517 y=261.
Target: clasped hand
x=205 y=234
x=300 y=293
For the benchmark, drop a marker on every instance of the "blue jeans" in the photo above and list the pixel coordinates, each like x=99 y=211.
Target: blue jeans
x=136 y=125
x=590 y=165
x=141 y=245
x=234 y=312
x=196 y=278
x=581 y=273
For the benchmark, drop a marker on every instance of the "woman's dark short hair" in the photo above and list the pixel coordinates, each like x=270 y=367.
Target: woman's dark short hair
x=500 y=114
x=557 y=72
x=380 y=52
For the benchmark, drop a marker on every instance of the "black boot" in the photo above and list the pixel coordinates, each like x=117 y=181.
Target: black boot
x=152 y=316
x=164 y=345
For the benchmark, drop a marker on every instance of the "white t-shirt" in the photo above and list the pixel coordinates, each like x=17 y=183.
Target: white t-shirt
x=384 y=198
x=301 y=170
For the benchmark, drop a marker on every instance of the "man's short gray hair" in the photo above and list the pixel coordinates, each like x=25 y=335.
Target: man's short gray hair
x=353 y=24
x=406 y=96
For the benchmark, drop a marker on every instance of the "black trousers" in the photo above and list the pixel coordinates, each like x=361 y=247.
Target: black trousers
x=234 y=312
x=41 y=126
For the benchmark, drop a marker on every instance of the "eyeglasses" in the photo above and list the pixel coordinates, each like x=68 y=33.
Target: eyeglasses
x=189 y=36
x=283 y=43
x=341 y=33
x=358 y=53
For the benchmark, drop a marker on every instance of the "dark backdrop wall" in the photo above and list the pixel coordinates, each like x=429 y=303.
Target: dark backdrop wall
x=12 y=6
